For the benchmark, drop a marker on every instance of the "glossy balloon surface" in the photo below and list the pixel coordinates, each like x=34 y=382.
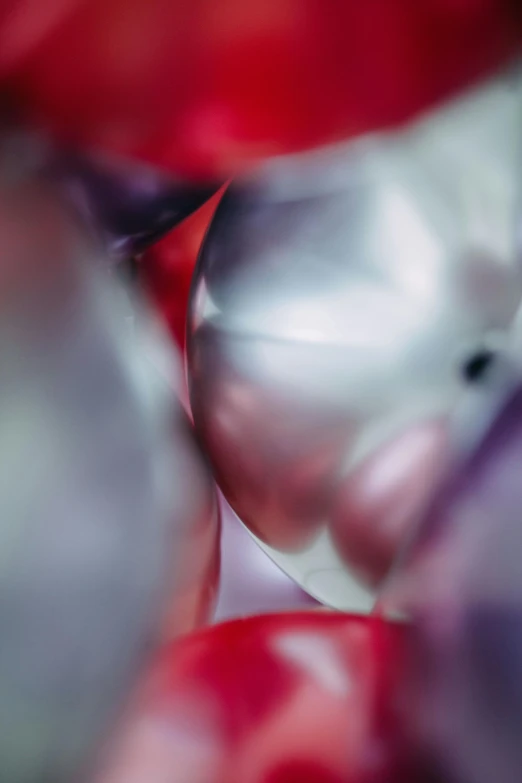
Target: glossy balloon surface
x=166 y=270
x=289 y=698
x=462 y=585
x=338 y=307
x=24 y=24
x=206 y=85
x=102 y=491
x=195 y=559
x=133 y=205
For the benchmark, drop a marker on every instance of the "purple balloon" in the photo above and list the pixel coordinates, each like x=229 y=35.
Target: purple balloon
x=462 y=586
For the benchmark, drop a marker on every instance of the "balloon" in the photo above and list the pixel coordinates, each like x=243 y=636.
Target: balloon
x=206 y=86
x=340 y=308
x=375 y=504
x=288 y=698
x=102 y=491
x=133 y=205
x=461 y=585
x=25 y=23
x=165 y=271
x=195 y=563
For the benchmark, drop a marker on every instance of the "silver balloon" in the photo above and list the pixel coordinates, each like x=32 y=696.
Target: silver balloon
x=100 y=486
x=341 y=304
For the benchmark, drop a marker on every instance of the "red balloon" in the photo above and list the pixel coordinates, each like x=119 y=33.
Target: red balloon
x=202 y=86
x=24 y=24
x=290 y=698
x=166 y=269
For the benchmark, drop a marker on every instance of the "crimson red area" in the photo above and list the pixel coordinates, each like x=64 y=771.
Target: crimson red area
x=166 y=269
x=25 y=23
x=284 y=698
x=203 y=86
